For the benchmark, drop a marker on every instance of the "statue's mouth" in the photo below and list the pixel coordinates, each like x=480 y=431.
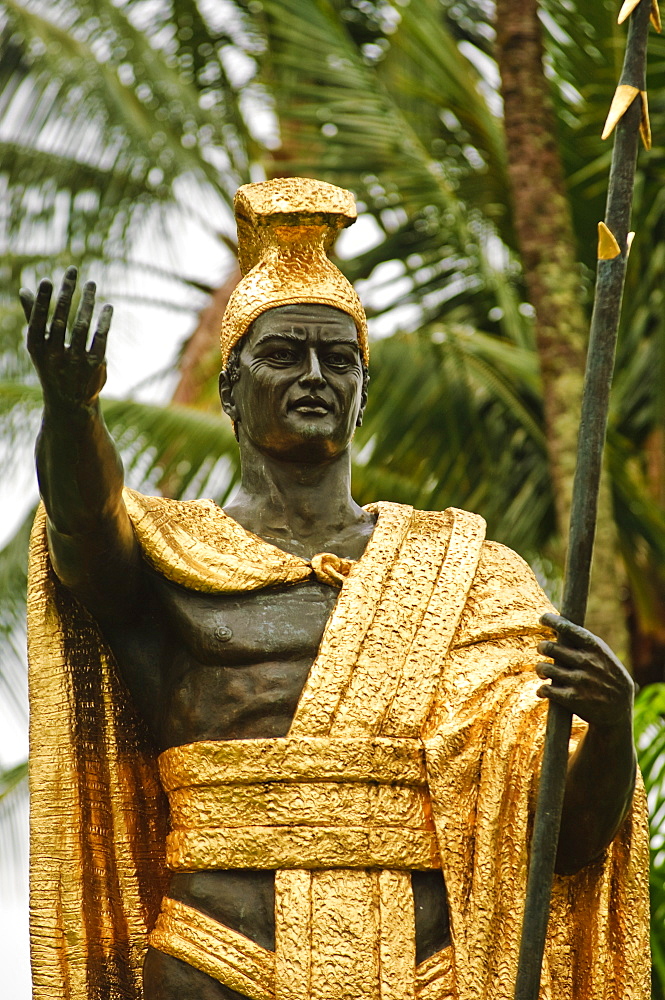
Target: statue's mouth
x=311 y=405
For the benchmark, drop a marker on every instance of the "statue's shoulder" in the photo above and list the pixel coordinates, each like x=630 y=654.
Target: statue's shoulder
x=496 y=559
x=141 y=506
x=505 y=599
x=196 y=544
x=504 y=596
x=498 y=562
x=447 y=521
x=453 y=519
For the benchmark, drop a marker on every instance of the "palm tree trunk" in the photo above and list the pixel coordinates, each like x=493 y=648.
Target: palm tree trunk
x=541 y=214
x=200 y=355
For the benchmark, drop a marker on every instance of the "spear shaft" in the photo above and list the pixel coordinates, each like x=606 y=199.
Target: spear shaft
x=593 y=424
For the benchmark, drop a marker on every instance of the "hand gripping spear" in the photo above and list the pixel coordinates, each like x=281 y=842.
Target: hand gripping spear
x=629 y=115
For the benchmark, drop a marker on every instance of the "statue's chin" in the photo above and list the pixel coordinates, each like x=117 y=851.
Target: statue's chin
x=307 y=440
x=311 y=447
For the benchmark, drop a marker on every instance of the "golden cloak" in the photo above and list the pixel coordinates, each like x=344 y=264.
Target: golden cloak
x=433 y=638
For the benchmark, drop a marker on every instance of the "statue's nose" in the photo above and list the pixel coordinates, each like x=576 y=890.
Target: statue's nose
x=312 y=374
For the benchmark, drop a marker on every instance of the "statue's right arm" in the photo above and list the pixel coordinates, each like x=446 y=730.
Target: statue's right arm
x=91 y=541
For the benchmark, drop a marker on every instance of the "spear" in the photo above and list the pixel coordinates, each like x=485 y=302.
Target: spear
x=628 y=118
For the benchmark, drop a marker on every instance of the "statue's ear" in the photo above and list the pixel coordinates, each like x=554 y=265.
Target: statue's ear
x=226 y=397
x=228 y=402
x=363 y=399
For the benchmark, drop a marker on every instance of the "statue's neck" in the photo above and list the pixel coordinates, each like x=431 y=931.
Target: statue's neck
x=303 y=508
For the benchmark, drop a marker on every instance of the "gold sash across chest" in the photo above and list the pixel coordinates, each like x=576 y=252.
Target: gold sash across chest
x=340 y=807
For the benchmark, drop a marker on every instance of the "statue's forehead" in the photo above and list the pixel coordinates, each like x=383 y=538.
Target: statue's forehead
x=303 y=320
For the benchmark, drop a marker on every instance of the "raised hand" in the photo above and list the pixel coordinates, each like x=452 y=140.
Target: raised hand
x=71 y=374
x=586 y=676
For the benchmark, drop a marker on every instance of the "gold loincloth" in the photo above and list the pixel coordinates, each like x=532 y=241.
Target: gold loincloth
x=244 y=966
x=321 y=812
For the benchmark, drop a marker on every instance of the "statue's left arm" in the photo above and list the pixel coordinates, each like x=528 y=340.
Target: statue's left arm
x=589 y=680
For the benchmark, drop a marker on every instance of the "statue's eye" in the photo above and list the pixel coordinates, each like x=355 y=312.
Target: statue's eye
x=338 y=360
x=282 y=354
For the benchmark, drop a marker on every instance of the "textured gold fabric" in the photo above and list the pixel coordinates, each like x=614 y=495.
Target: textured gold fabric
x=234 y=960
x=286 y=227
x=298 y=816
x=303 y=758
x=433 y=639
x=300 y=847
x=197 y=545
x=435 y=977
x=224 y=954
x=98 y=813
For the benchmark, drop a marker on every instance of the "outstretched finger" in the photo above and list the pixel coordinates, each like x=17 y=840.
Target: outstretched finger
x=62 y=306
x=27 y=302
x=98 y=346
x=83 y=317
x=570 y=633
x=39 y=316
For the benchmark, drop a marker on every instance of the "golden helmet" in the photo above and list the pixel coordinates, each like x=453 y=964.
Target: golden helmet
x=286 y=227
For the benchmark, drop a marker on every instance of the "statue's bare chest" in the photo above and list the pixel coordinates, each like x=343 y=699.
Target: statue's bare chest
x=235 y=665
x=235 y=629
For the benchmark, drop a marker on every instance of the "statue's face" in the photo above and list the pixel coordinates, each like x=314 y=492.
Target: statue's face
x=299 y=394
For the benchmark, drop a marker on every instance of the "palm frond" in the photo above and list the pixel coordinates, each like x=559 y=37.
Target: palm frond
x=193 y=449
x=110 y=123
x=650 y=740
x=413 y=135
x=13 y=583
x=13 y=702
x=454 y=419
x=13 y=825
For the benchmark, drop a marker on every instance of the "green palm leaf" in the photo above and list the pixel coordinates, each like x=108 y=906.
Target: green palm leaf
x=13 y=803
x=110 y=124
x=401 y=133
x=13 y=693
x=650 y=739
x=193 y=449
x=462 y=394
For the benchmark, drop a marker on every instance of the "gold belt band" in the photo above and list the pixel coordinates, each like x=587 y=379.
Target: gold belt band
x=294 y=758
x=301 y=847
x=323 y=803
x=244 y=966
x=299 y=802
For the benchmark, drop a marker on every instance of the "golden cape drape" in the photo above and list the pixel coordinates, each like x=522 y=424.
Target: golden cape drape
x=98 y=811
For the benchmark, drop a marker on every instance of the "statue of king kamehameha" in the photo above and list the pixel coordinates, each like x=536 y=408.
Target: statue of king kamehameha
x=289 y=750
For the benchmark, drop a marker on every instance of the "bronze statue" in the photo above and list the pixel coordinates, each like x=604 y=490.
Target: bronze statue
x=343 y=700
